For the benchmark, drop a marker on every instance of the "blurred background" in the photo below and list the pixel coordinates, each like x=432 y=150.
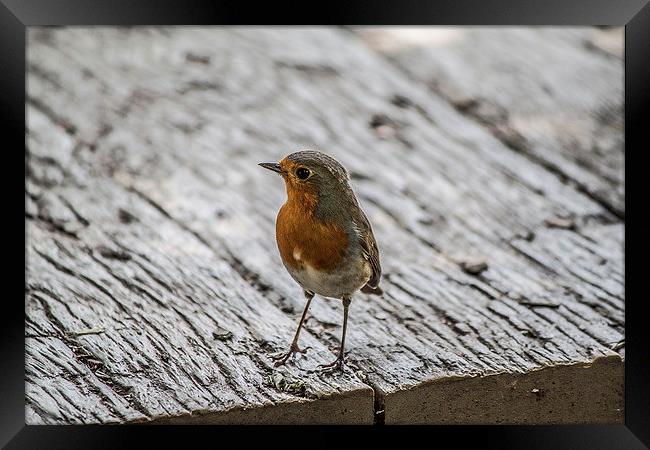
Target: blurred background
x=488 y=160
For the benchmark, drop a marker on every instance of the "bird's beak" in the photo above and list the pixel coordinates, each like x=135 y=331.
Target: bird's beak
x=275 y=167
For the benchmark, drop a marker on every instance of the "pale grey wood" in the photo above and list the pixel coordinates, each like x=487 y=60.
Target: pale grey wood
x=130 y=317
x=121 y=331
x=144 y=195
x=554 y=94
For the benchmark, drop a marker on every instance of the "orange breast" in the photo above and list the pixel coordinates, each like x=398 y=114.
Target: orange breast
x=303 y=240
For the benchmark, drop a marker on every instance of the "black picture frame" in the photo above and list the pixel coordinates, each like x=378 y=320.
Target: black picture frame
x=16 y=15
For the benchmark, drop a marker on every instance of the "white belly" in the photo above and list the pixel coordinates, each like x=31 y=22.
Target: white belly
x=337 y=283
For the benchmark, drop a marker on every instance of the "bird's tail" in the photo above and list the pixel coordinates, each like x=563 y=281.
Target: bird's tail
x=367 y=289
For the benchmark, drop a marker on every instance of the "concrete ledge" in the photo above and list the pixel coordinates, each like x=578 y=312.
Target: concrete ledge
x=562 y=394
x=351 y=408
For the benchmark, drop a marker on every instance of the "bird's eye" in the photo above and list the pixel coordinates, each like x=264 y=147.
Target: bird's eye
x=303 y=173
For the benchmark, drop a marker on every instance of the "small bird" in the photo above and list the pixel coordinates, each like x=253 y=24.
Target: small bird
x=325 y=240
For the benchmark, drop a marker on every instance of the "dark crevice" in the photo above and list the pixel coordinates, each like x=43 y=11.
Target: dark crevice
x=309 y=69
x=64 y=123
x=475 y=286
x=379 y=404
x=378 y=395
x=45 y=75
x=74 y=212
x=41 y=412
x=51 y=225
x=591 y=46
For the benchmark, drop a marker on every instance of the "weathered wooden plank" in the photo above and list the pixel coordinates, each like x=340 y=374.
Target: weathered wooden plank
x=130 y=317
x=555 y=94
x=178 y=132
x=161 y=353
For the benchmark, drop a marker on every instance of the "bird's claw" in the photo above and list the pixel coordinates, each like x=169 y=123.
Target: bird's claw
x=284 y=357
x=338 y=363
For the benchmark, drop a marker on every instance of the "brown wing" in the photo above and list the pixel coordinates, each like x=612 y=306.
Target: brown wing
x=367 y=240
x=370 y=251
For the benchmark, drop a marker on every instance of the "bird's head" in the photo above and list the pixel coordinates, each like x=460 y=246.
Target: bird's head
x=310 y=174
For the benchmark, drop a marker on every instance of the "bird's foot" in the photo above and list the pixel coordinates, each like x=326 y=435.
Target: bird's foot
x=284 y=357
x=338 y=363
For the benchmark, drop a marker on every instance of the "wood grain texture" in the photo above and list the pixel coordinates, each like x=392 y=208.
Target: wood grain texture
x=155 y=288
x=554 y=94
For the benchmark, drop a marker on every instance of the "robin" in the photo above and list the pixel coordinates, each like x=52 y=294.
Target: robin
x=325 y=239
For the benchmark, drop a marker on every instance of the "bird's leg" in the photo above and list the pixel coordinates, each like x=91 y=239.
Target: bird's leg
x=281 y=359
x=339 y=361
